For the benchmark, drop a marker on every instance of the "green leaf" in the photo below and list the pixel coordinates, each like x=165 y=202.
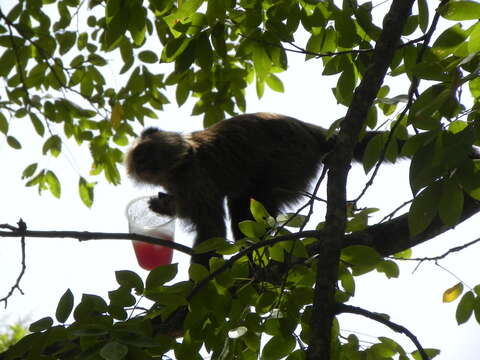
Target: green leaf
x=148 y=56
x=197 y=272
x=476 y=289
x=218 y=39
x=85 y=190
x=261 y=62
x=449 y=40
x=174 y=48
x=38 y=180
x=427 y=165
x=474 y=41
x=13 y=143
x=117 y=312
x=292 y=220
x=389 y=268
x=213 y=244
x=474 y=86
x=346 y=30
x=423 y=109
x=66 y=40
x=130 y=280
x=457 y=126
x=259 y=87
x=278 y=347
x=460 y=10
x=37 y=124
x=423 y=15
x=265 y=301
x=431 y=353
x=405 y=254
x=274 y=83
x=252 y=229
x=372 y=152
x=114 y=351
x=465 y=308
x=160 y=275
x=203 y=50
x=42 y=324
x=185 y=10
x=3 y=124
x=116 y=27
x=298 y=354
x=216 y=10
x=126 y=51
x=450 y=206
x=52 y=144
x=423 y=210
x=8 y=61
x=383 y=351
x=260 y=214
x=453 y=293
x=346 y=84
x=29 y=170
x=314 y=45
x=360 y=255
x=122 y=297
x=364 y=19
x=53 y=183
x=137 y=24
x=347 y=280
x=64 y=307
x=476 y=308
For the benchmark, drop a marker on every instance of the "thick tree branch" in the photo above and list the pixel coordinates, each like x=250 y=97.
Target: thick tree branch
x=387 y=238
x=339 y=163
x=393 y=236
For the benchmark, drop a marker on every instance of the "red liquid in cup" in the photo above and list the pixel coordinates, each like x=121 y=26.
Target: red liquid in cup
x=149 y=256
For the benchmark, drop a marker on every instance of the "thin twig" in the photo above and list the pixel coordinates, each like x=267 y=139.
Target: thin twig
x=411 y=92
x=86 y=235
x=22 y=227
x=392 y=214
x=444 y=255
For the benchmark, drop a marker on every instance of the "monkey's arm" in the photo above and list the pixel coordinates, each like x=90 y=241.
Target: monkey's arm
x=163 y=204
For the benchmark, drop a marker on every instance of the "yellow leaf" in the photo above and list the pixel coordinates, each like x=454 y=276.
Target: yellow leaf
x=117 y=115
x=453 y=293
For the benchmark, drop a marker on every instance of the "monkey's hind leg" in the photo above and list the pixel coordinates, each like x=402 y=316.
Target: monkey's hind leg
x=239 y=210
x=209 y=222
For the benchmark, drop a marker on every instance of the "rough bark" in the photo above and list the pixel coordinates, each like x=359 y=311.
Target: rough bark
x=339 y=163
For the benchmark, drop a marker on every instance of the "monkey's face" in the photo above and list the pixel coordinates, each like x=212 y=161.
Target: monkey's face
x=154 y=154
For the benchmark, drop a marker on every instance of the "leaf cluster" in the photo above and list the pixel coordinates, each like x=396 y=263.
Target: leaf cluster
x=236 y=310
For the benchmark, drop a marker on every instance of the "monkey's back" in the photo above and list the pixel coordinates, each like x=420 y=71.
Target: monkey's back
x=260 y=153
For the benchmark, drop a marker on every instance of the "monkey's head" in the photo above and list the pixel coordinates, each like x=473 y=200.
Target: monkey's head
x=154 y=154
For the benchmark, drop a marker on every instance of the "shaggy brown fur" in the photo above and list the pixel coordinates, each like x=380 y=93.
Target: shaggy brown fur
x=247 y=156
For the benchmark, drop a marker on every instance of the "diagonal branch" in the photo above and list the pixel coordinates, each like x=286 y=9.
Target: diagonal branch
x=342 y=308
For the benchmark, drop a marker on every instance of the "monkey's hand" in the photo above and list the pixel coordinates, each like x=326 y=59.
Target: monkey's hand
x=163 y=204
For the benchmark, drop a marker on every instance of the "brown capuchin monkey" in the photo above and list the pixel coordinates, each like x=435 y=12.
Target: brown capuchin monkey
x=270 y=158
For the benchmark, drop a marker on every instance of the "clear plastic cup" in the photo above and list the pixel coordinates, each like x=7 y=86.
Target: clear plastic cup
x=143 y=221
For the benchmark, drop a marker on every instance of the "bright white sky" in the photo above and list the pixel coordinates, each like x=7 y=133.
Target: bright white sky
x=53 y=265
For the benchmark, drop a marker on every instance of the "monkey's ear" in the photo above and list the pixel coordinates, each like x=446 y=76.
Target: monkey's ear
x=149 y=131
